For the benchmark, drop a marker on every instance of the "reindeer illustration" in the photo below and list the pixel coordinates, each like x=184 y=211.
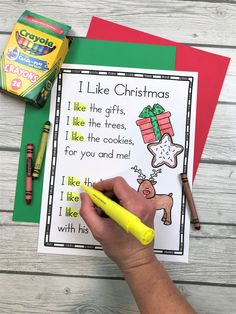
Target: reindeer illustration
x=159 y=201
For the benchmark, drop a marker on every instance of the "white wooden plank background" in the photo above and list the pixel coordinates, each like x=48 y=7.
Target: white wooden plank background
x=40 y=283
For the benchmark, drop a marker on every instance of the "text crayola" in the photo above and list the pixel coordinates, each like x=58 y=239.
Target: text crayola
x=36 y=39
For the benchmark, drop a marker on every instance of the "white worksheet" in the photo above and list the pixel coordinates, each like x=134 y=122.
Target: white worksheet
x=106 y=122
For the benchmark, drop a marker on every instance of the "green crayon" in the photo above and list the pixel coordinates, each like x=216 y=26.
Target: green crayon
x=41 y=151
x=35 y=48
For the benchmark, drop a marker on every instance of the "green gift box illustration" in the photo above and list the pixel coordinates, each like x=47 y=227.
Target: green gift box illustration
x=155 y=123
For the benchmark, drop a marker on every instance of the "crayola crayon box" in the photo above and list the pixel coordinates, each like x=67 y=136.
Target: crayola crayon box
x=32 y=57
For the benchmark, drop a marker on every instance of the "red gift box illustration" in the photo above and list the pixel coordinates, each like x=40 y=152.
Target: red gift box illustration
x=155 y=123
x=165 y=126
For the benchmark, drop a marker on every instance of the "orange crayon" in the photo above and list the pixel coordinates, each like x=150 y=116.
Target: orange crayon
x=29 y=170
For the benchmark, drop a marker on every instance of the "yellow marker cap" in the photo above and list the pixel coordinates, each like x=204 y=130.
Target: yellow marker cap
x=141 y=232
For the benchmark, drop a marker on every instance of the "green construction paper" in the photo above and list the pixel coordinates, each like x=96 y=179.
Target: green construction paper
x=100 y=52
x=82 y=51
x=34 y=121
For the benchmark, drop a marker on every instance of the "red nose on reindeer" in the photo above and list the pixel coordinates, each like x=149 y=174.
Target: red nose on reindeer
x=146 y=192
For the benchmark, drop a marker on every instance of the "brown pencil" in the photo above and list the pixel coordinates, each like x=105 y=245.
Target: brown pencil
x=189 y=196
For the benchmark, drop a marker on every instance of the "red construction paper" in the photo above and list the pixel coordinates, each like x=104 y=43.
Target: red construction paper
x=211 y=70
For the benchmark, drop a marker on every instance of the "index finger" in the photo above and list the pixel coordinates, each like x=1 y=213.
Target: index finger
x=116 y=186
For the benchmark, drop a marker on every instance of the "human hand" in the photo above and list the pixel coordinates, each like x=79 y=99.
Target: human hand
x=120 y=246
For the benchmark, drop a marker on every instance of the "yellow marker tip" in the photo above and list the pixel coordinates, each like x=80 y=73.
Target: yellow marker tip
x=84 y=187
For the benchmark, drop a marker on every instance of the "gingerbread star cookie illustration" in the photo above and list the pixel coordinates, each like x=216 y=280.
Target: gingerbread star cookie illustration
x=165 y=152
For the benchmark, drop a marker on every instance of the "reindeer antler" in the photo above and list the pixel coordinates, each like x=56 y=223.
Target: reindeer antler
x=141 y=174
x=155 y=173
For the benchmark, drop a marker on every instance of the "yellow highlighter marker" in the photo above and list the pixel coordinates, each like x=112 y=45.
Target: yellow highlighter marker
x=127 y=220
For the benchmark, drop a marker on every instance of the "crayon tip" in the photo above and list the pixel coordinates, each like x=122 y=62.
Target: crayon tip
x=48 y=123
x=28 y=201
x=198 y=227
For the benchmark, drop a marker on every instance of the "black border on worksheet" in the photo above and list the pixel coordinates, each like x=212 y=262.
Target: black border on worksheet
x=139 y=75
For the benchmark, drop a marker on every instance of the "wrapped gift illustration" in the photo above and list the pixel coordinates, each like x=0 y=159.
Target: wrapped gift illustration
x=165 y=126
x=155 y=123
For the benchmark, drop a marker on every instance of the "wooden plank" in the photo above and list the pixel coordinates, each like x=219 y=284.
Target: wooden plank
x=208 y=230
x=227 y=94
x=43 y=283
x=214 y=193
x=214 y=189
x=210 y=299
x=11 y=122
x=12 y=110
x=220 y=144
x=212 y=250
x=8 y=174
x=185 y=21
x=51 y=294
x=48 y=294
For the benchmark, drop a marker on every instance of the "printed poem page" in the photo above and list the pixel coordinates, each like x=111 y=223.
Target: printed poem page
x=107 y=122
